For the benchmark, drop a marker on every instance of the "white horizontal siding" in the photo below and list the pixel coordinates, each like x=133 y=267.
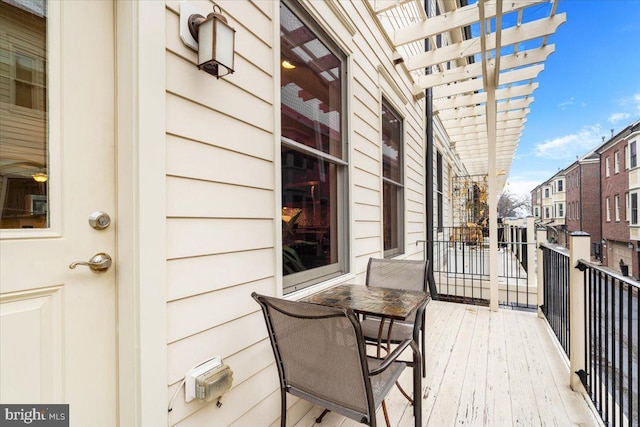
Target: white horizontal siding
x=222 y=202
x=221 y=207
x=198 y=275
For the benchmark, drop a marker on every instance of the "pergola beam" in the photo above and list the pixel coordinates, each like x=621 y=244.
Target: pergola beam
x=477 y=120
x=517 y=60
x=481 y=98
x=479 y=110
x=531 y=30
x=445 y=22
x=482 y=127
x=474 y=85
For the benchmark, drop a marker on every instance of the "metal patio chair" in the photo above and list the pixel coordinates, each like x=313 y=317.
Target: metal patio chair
x=398 y=274
x=321 y=357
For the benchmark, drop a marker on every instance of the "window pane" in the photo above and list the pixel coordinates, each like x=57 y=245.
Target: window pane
x=23 y=148
x=391 y=145
x=391 y=195
x=310 y=87
x=309 y=212
x=313 y=185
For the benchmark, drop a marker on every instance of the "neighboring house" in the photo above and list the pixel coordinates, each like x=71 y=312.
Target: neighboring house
x=616 y=160
x=599 y=193
x=559 y=198
x=583 y=199
x=550 y=200
x=536 y=203
x=320 y=151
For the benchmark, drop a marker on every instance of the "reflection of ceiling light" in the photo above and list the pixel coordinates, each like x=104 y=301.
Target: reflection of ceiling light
x=288 y=65
x=40 y=177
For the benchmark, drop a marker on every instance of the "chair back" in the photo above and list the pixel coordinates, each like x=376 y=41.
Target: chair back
x=398 y=274
x=320 y=355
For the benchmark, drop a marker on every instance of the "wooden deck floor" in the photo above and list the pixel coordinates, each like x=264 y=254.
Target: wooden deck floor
x=485 y=369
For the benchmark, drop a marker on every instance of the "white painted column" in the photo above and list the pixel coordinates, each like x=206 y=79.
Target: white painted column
x=493 y=190
x=541 y=237
x=579 y=248
x=531 y=254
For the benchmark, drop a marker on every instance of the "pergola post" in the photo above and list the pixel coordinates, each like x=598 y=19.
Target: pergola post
x=541 y=237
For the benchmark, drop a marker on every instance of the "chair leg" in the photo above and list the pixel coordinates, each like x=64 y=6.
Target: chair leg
x=386 y=414
x=325 y=412
x=424 y=356
x=283 y=408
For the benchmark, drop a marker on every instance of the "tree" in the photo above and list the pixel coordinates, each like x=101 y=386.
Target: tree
x=512 y=205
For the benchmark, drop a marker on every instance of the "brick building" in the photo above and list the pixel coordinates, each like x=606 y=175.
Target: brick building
x=614 y=191
x=583 y=199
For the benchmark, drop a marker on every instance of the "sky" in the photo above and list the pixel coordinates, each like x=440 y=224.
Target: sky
x=590 y=85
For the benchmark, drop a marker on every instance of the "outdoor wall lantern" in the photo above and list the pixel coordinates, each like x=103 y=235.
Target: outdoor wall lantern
x=212 y=37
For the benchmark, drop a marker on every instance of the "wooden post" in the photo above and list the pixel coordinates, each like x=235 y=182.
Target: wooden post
x=531 y=253
x=579 y=248
x=541 y=237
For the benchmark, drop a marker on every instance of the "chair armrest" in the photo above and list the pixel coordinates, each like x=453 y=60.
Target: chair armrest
x=393 y=356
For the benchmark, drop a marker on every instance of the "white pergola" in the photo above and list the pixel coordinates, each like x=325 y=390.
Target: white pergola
x=482 y=64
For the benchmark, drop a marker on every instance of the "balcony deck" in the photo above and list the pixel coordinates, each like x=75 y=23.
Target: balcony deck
x=484 y=368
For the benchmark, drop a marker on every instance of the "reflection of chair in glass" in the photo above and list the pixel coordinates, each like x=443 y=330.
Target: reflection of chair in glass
x=321 y=357
x=397 y=274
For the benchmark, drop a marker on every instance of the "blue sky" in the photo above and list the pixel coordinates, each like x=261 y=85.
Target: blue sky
x=590 y=85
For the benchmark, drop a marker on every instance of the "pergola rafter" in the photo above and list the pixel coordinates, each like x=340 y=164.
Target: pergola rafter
x=482 y=66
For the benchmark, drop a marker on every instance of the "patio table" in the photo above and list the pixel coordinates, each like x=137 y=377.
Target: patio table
x=386 y=303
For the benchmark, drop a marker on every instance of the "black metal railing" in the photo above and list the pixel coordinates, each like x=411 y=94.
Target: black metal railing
x=612 y=335
x=555 y=270
x=461 y=265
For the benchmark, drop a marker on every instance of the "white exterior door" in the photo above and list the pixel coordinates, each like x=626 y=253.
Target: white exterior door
x=58 y=325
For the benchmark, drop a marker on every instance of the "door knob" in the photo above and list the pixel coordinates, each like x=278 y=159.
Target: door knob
x=98 y=263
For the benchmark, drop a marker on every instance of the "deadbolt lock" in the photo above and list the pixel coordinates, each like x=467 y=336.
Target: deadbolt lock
x=99 y=220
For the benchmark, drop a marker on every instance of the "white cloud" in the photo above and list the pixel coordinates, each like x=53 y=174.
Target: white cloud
x=618 y=117
x=566 y=104
x=567 y=147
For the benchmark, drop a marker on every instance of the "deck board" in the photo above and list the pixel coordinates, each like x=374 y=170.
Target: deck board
x=485 y=369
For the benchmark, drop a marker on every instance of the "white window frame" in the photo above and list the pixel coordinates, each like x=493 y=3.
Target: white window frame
x=607 y=202
x=626 y=157
x=633 y=154
x=616 y=204
x=399 y=224
x=633 y=195
x=299 y=280
x=607 y=169
x=616 y=162
x=627 y=210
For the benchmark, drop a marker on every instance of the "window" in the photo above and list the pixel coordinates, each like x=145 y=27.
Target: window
x=439 y=189
x=626 y=156
x=616 y=205
x=537 y=212
x=560 y=210
x=632 y=155
x=546 y=213
x=24 y=141
x=29 y=80
x=616 y=162
x=607 y=172
x=608 y=209
x=313 y=152
x=560 y=185
x=392 y=181
x=546 y=193
x=634 y=208
x=627 y=211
